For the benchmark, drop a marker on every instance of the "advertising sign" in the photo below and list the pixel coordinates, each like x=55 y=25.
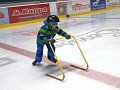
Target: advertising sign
x=29 y=12
x=61 y=8
x=98 y=4
x=112 y=3
x=1 y=15
x=4 y=19
x=85 y=5
x=78 y=6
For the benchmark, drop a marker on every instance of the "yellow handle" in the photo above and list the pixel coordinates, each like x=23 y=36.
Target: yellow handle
x=82 y=56
x=58 y=62
x=80 y=52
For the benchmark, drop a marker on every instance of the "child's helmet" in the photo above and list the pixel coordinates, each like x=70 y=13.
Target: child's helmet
x=53 y=18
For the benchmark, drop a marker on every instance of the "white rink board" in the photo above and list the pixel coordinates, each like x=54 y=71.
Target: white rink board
x=77 y=6
x=112 y=3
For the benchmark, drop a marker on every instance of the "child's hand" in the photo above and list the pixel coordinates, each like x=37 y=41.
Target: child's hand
x=68 y=36
x=50 y=40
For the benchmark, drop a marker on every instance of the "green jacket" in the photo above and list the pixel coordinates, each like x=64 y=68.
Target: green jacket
x=46 y=32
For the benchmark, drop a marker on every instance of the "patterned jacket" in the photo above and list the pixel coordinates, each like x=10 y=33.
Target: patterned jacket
x=46 y=32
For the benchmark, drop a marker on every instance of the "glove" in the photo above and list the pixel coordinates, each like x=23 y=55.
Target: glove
x=50 y=40
x=68 y=36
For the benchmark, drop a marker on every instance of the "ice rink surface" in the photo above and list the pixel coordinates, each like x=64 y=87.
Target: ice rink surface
x=99 y=38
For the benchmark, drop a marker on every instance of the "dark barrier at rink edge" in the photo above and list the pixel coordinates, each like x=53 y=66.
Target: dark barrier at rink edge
x=18 y=1
x=90 y=36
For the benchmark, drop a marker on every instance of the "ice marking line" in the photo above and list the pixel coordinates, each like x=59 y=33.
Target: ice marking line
x=5 y=61
x=97 y=17
x=91 y=36
x=92 y=74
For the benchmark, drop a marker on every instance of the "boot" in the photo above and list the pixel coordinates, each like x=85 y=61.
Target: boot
x=34 y=63
x=54 y=60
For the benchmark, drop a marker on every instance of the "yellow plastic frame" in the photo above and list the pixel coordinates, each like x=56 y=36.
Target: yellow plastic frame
x=85 y=69
x=58 y=62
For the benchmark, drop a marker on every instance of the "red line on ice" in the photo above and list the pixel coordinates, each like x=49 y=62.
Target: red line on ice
x=92 y=74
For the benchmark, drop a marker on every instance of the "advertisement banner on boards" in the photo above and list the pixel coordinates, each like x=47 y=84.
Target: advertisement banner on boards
x=29 y=12
x=78 y=6
x=98 y=4
x=61 y=8
x=85 y=5
x=112 y=3
x=4 y=19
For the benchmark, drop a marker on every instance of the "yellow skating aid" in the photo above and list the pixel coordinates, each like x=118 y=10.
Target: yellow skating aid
x=58 y=62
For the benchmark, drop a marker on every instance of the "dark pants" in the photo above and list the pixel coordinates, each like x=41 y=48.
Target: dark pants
x=39 y=52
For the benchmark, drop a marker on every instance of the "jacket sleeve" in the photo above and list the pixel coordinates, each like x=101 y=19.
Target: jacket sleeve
x=61 y=32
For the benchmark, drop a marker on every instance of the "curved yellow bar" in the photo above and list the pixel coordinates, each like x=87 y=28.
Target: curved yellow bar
x=58 y=62
x=82 y=56
x=87 y=66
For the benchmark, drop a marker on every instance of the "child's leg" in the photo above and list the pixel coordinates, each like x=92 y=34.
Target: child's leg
x=39 y=52
x=50 y=53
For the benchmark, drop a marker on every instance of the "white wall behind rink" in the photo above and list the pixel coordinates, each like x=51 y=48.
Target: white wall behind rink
x=73 y=7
